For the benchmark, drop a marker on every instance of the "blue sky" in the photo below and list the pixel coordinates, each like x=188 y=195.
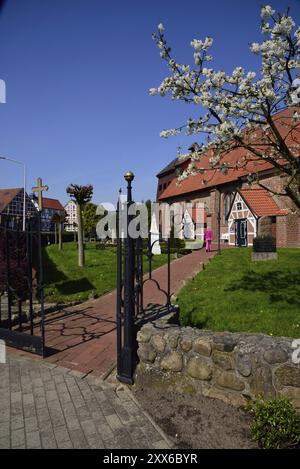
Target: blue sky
x=78 y=72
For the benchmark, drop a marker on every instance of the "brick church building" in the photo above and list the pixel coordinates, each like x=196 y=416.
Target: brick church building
x=233 y=208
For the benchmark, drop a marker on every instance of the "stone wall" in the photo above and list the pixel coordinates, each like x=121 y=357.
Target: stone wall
x=233 y=367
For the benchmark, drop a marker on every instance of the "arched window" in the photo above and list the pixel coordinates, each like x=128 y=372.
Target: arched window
x=228 y=198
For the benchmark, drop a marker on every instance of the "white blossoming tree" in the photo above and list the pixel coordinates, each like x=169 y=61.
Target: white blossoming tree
x=243 y=110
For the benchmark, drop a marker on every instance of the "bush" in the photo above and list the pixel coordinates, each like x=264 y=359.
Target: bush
x=276 y=423
x=264 y=244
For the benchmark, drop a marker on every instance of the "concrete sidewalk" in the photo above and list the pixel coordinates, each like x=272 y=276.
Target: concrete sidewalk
x=47 y=406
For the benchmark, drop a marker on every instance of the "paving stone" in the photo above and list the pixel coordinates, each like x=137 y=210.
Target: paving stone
x=29 y=410
x=5 y=442
x=78 y=439
x=88 y=427
x=73 y=424
x=48 y=439
x=66 y=445
x=33 y=440
x=15 y=397
x=18 y=437
x=44 y=407
x=4 y=429
x=61 y=434
x=17 y=422
x=31 y=424
x=40 y=402
x=95 y=442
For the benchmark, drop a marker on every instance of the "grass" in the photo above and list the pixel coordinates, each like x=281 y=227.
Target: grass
x=66 y=282
x=235 y=294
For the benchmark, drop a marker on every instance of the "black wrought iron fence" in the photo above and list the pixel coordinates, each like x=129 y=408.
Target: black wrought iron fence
x=132 y=277
x=21 y=284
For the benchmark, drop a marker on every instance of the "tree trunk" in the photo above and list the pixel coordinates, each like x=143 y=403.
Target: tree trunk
x=81 y=260
x=55 y=233
x=60 y=236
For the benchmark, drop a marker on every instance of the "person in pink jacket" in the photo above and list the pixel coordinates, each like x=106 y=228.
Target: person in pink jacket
x=208 y=236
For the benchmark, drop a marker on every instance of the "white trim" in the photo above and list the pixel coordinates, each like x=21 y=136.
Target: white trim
x=236 y=214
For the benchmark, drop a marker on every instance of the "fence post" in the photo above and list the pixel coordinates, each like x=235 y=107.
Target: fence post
x=128 y=355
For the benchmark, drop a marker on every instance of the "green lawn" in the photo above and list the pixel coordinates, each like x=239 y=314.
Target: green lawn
x=235 y=294
x=65 y=281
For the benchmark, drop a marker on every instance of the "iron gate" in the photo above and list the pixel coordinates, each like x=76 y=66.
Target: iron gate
x=21 y=284
x=132 y=276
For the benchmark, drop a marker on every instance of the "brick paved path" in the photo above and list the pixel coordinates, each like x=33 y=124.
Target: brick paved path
x=83 y=337
x=47 y=406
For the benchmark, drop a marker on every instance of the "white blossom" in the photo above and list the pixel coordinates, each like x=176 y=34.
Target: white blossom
x=266 y=11
x=161 y=28
x=255 y=47
x=233 y=105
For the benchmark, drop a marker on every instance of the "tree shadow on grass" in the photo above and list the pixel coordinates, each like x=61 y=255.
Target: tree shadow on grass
x=280 y=286
x=63 y=284
x=79 y=285
x=51 y=273
x=190 y=318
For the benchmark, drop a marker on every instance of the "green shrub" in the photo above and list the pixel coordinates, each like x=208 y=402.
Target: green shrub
x=276 y=423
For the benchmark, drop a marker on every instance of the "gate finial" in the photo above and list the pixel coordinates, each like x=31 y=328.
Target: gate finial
x=129 y=176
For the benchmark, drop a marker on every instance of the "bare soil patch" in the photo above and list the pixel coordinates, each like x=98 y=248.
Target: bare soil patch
x=197 y=421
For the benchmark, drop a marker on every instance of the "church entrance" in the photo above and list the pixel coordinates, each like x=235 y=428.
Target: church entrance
x=241 y=232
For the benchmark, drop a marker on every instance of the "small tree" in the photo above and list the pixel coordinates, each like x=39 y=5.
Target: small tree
x=259 y=114
x=90 y=219
x=81 y=196
x=59 y=219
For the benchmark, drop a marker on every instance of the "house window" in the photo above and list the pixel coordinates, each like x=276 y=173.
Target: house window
x=239 y=206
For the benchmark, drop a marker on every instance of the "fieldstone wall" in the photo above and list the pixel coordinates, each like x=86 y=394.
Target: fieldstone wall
x=234 y=367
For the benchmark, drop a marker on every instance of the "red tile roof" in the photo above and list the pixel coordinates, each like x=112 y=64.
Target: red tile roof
x=261 y=202
x=52 y=203
x=6 y=196
x=213 y=177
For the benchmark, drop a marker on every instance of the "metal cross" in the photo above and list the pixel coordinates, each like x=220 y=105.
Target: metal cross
x=39 y=189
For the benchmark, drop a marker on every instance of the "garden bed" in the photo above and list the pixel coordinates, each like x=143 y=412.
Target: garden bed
x=196 y=421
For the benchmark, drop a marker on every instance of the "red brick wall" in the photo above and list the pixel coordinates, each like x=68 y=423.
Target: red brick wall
x=288 y=231
x=163 y=183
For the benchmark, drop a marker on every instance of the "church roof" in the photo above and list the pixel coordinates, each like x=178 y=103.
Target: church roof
x=261 y=202
x=176 y=163
x=214 y=177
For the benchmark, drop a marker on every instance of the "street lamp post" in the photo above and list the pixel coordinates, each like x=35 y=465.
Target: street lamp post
x=24 y=184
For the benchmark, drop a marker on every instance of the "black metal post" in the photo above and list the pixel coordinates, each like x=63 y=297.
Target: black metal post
x=18 y=252
x=219 y=223
x=8 y=274
x=41 y=281
x=119 y=289
x=128 y=356
x=29 y=267
x=169 y=275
